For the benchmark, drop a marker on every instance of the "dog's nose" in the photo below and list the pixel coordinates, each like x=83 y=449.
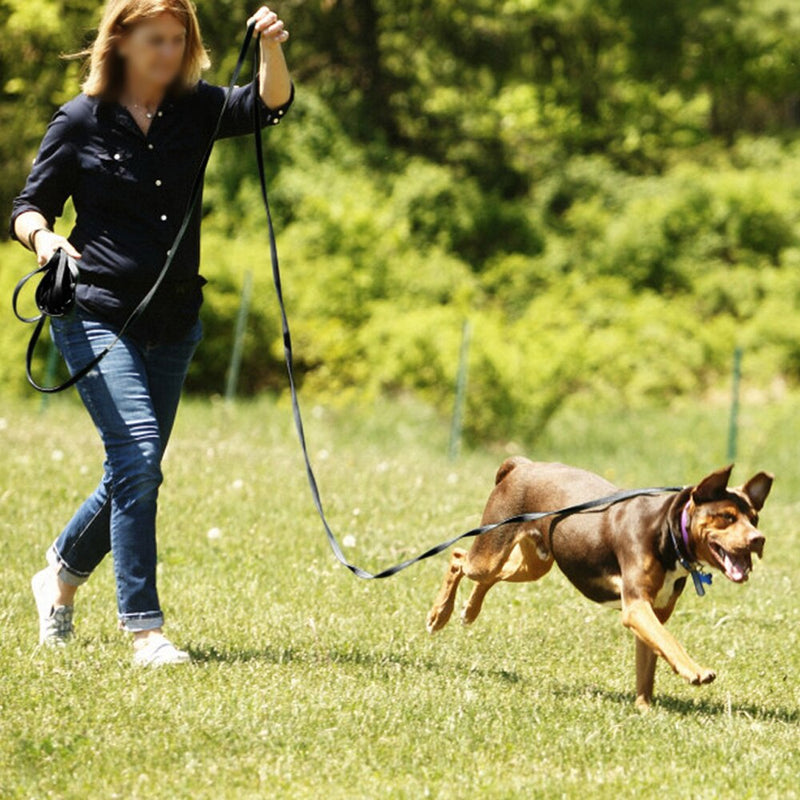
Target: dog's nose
x=756 y=542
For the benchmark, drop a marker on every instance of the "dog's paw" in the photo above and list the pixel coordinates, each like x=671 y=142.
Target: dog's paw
x=700 y=676
x=707 y=675
x=642 y=703
x=468 y=615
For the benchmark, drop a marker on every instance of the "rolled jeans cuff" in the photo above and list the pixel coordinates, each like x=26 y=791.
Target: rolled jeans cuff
x=146 y=621
x=65 y=572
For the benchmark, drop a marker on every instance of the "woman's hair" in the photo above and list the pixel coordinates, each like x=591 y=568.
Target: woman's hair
x=106 y=67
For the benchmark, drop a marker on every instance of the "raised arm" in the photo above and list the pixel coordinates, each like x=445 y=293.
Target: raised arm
x=275 y=85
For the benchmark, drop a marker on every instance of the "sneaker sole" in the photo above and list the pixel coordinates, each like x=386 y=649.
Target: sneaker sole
x=146 y=659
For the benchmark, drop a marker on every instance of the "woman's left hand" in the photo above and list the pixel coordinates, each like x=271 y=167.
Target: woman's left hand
x=269 y=25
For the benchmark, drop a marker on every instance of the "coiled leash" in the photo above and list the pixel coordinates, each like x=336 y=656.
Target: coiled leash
x=55 y=294
x=556 y=515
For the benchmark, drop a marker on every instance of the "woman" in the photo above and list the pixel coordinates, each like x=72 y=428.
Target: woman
x=126 y=151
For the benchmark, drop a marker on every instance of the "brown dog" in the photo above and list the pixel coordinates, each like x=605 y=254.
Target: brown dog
x=632 y=555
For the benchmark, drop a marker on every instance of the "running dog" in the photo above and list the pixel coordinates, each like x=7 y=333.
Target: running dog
x=634 y=555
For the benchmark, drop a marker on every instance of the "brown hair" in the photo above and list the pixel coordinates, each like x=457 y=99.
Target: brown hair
x=121 y=16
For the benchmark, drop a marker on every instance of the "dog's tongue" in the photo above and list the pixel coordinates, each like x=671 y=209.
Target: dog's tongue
x=733 y=570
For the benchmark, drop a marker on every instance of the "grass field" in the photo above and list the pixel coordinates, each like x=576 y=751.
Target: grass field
x=309 y=683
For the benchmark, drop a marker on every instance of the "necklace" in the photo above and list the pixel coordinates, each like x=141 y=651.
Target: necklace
x=148 y=114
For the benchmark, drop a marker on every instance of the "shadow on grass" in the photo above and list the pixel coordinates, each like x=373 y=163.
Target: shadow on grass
x=679 y=705
x=349 y=656
x=682 y=706
x=267 y=655
x=367 y=659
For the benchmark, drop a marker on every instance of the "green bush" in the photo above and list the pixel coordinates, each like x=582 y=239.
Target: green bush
x=596 y=283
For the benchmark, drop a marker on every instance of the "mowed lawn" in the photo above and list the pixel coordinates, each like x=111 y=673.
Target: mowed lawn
x=308 y=682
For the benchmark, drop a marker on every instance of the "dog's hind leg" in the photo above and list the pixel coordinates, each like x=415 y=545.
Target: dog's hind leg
x=473 y=606
x=517 y=559
x=442 y=608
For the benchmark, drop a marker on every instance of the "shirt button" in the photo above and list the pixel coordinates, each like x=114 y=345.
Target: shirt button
x=117 y=157
x=275 y=121
x=158 y=182
x=160 y=113
x=150 y=146
x=163 y=217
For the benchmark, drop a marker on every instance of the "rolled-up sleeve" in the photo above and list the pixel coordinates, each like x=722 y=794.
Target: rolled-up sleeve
x=238 y=117
x=54 y=174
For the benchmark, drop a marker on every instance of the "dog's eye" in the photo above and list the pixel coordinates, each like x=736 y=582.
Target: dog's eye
x=728 y=518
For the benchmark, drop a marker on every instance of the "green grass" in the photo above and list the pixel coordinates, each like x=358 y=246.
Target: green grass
x=308 y=682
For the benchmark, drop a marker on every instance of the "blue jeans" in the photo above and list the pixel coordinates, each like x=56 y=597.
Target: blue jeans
x=132 y=397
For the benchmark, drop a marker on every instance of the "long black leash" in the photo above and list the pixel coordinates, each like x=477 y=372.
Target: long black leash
x=194 y=196
x=557 y=515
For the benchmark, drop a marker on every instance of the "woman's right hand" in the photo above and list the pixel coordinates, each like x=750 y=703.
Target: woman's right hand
x=47 y=243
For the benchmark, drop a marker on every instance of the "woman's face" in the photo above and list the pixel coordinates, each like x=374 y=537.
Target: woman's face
x=153 y=51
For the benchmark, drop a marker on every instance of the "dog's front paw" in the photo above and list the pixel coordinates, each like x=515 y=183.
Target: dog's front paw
x=700 y=675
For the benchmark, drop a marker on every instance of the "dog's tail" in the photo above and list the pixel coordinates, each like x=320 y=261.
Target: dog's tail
x=508 y=465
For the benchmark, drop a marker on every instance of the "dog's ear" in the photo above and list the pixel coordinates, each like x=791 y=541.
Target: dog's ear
x=757 y=489
x=712 y=487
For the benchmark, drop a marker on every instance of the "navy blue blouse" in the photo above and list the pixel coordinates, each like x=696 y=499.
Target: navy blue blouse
x=130 y=193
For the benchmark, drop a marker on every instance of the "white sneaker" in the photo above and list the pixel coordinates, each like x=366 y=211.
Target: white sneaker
x=159 y=652
x=55 y=622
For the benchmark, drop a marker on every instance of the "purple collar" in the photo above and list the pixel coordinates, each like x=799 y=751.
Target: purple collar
x=685 y=524
x=699 y=577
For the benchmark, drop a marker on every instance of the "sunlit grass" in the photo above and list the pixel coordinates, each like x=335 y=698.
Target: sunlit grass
x=310 y=683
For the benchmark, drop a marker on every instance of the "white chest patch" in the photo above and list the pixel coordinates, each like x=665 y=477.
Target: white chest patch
x=662 y=598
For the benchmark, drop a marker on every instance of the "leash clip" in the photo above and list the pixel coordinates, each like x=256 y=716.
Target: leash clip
x=699 y=578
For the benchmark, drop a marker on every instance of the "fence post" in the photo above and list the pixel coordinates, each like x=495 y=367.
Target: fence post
x=733 y=424
x=49 y=372
x=238 y=338
x=461 y=392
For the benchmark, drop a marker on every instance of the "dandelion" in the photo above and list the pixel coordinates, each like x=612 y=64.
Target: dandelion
x=214 y=533
x=57 y=455
x=349 y=540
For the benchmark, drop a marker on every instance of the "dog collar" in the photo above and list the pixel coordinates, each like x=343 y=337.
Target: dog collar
x=695 y=570
x=685 y=529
